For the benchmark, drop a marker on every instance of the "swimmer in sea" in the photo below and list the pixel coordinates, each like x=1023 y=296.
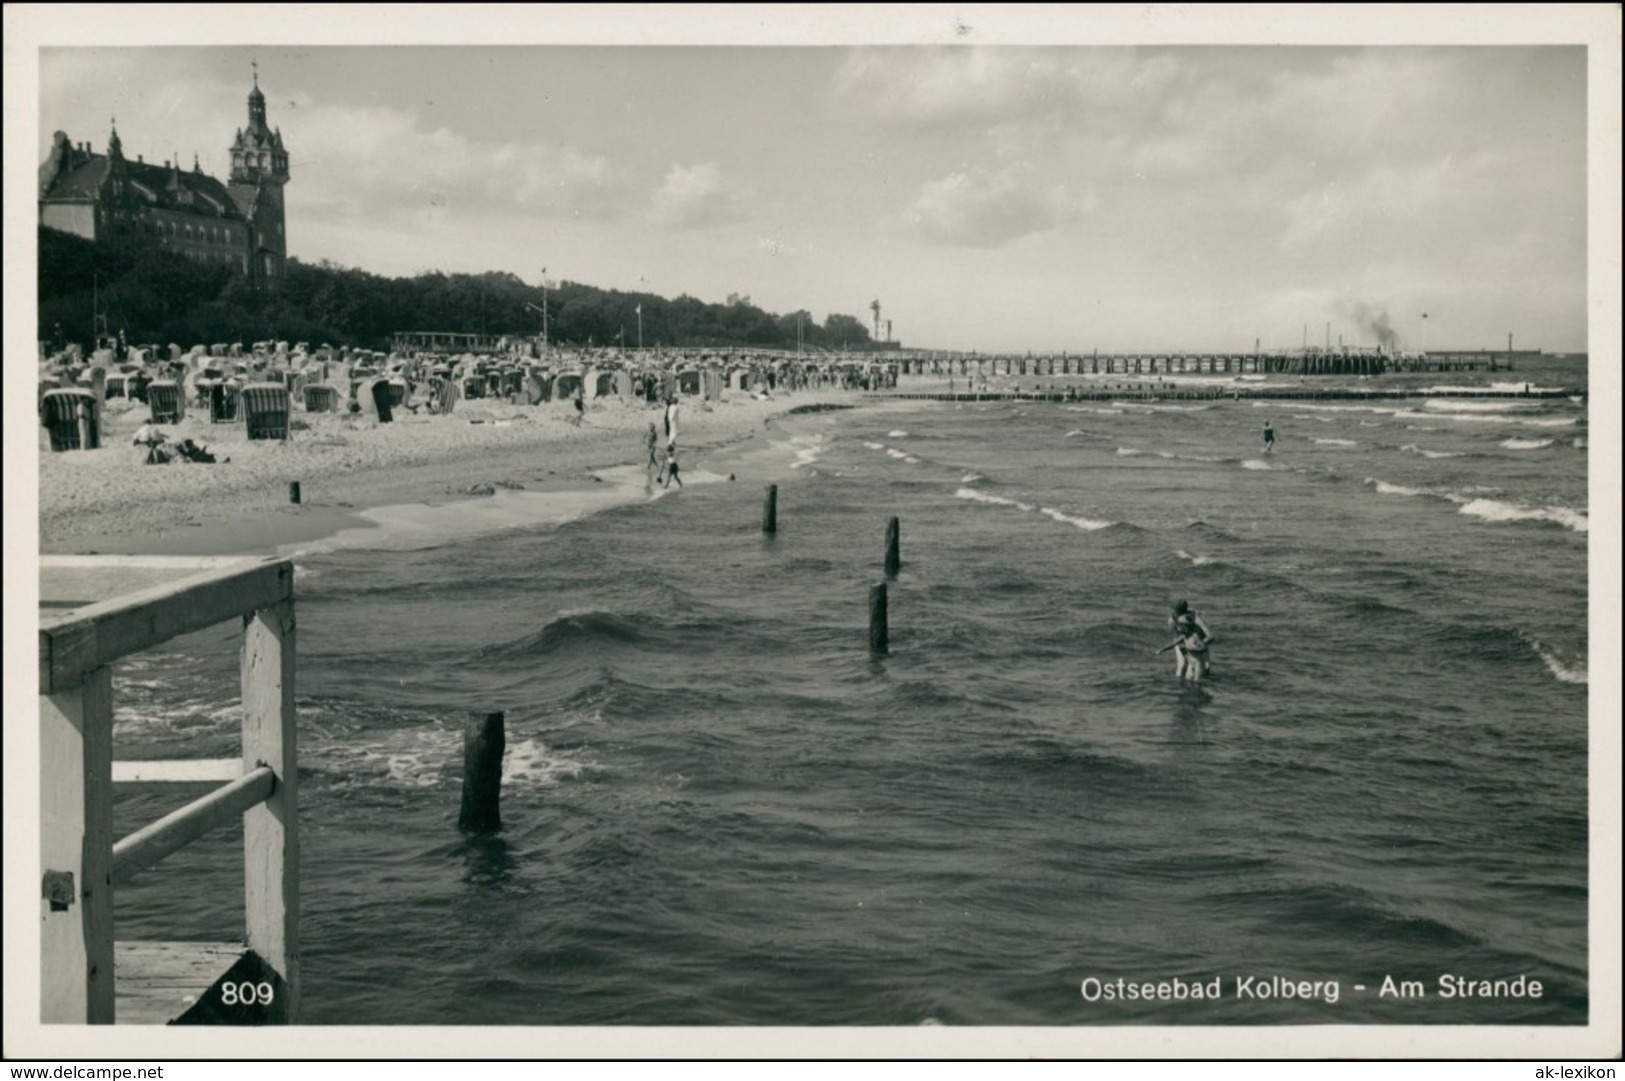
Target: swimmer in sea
x=1269 y=437
x=1183 y=619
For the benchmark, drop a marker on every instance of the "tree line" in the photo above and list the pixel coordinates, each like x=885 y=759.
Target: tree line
x=154 y=295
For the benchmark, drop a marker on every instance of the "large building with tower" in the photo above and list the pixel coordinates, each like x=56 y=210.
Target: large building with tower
x=240 y=223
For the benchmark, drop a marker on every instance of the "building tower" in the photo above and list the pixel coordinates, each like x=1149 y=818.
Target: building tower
x=259 y=168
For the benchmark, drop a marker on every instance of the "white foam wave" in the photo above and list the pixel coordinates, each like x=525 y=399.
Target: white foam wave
x=1579 y=442
x=1371 y=424
x=971 y=478
x=530 y=762
x=874 y=446
x=893 y=452
x=1259 y=403
x=983 y=497
x=1086 y=524
x=1414 y=449
x=1095 y=409
x=1384 y=488
x=910 y=459
x=1455 y=405
x=1256 y=463
x=1526 y=444
x=1493 y=510
x=898 y=434
x=1311 y=416
x=1337 y=442
x=1130 y=452
x=1566 y=673
x=1492 y=418
x=1193 y=560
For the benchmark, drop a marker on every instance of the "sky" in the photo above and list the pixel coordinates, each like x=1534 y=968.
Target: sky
x=991 y=194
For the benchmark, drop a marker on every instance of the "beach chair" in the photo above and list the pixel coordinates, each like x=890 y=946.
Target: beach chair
x=222 y=402
x=383 y=401
x=320 y=399
x=265 y=410
x=167 y=400
x=73 y=419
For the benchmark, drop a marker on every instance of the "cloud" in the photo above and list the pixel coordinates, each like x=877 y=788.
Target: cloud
x=697 y=197
x=1098 y=89
x=980 y=208
x=379 y=158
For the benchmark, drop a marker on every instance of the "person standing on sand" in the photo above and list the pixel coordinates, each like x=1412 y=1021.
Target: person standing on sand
x=671 y=419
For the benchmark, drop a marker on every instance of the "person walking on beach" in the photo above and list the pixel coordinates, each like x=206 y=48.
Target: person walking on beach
x=1269 y=437
x=651 y=443
x=581 y=409
x=671 y=466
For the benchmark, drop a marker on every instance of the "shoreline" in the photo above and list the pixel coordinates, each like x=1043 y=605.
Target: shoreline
x=490 y=465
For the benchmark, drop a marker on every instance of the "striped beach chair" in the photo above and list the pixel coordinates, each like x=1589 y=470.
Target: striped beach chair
x=73 y=419
x=265 y=410
x=167 y=400
x=320 y=398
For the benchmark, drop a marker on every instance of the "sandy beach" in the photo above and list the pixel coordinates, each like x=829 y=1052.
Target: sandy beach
x=349 y=467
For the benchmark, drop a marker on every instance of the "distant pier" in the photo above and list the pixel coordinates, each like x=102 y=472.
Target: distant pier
x=1166 y=392
x=1309 y=362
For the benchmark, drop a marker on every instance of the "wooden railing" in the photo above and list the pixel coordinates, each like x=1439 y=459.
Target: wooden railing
x=154 y=599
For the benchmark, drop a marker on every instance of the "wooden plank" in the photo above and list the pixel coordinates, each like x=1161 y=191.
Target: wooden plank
x=79 y=580
x=271 y=830
x=165 y=770
x=76 y=642
x=145 y=847
x=158 y=981
x=76 y=850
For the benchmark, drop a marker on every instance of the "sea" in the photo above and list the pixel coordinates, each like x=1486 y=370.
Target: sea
x=719 y=808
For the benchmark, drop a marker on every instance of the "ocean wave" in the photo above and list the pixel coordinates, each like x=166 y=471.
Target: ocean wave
x=1565 y=673
x=893 y=452
x=1414 y=449
x=1311 y=416
x=997 y=500
x=1453 y=405
x=1193 y=560
x=1579 y=442
x=1493 y=510
x=807 y=451
x=1492 y=418
x=1260 y=403
x=1337 y=442
x=1526 y=444
x=971 y=478
x=874 y=446
x=1256 y=463
x=1385 y=488
x=1086 y=524
x=568 y=631
x=1130 y=452
x=897 y=434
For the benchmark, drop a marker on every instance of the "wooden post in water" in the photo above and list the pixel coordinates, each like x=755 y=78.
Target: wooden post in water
x=893 y=559
x=483 y=743
x=770 y=510
x=878 y=643
x=293 y=491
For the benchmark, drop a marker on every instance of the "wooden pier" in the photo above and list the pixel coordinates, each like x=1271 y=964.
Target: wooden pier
x=1172 y=392
x=95 y=610
x=1308 y=362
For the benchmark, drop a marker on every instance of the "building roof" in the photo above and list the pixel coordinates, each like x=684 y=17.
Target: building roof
x=83 y=178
